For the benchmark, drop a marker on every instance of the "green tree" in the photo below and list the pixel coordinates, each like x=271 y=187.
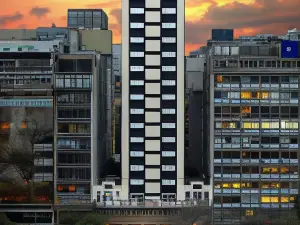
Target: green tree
x=4 y=220
x=92 y=219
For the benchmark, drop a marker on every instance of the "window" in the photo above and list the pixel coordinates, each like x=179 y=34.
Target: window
x=137 y=10
x=168 y=68
x=136 y=82
x=234 y=95
x=250 y=125
x=137 y=54
x=136 y=25
x=136 y=182
x=168 y=83
x=136 y=40
x=168 y=10
x=228 y=125
x=136 y=111
x=136 y=167
x=246 y=95
x=168 y=111
x=168 y=168
x=168 y=25
x=168 y=153
x=136 y=68
x=136 y=154
x=136 y=97
x=168 y=125
x=289 y=125
x=168 y=54
x=82 y=128
x=136 y=125
x=136 y=140
x=168 y=182
x=168 y=97
x=168 y=40
x=168 y=139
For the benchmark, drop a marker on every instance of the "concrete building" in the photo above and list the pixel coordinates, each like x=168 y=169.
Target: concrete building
x=80 y=124
x=153 y=99
x=254 y=127
x=87 y=19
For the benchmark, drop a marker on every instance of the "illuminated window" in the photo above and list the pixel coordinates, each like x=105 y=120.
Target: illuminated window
x=249 y=125
x=246 y=110
x=230 y=125
x=274 y=125
x=289 y=125
x=225 y=185
x=236 y=185
x=72 y=188
x=218 y=185
x=246 y=95
x=23 y=125
x=219 y=78
x=265 y=125
x=270 y=170
x=256 y=94
x=5 y=125
x=284 y=170
x=59 y=188
x=249 y=212
x=265 y=95
x=284 y=199
x=270 y=185
x=269 y=199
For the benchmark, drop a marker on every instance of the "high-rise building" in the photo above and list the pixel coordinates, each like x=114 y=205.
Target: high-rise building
x=153 y=99
x=254 y=128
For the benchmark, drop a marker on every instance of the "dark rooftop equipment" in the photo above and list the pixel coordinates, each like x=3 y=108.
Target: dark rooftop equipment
x=222 y=34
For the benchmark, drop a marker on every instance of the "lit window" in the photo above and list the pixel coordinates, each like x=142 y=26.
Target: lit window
x=72 y=188
x=168 y=54
x=265 y=125
x=136 y=82
x=136 y=125
x=246 y=95
x=136 y=181
x=249 y=212
x=168 y=125
x=136 y=168
x=168 y=139
x=269 y=199
x=219 y=78
x=168 y=25
x=137 y=111
x=136 y=25
x=265 y=95
x=136 y=40
x=168 y=10
x=168 y=40
x=236 y=185
x=136 y=68
x=137 y=10
x=245 y=109
x=136 y=153
x=168 y=168
x=136 y=140
x=5 y=125
x=168 y=111
x=168 y=83
x=249 y=125
x=168 y=97
x=136 y=97
x=230 y=125
x=234 y=95
x=23 y=125
x=136 y=54
x=168 y=182
x=168 y=68
x=289 y=125
x=59 y=188
x=168 y=154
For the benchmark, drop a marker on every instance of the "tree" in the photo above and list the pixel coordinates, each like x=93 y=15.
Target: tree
x=17 y=154
x=4 y=220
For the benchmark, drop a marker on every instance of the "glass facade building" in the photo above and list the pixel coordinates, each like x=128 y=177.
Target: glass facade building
x=254 y=134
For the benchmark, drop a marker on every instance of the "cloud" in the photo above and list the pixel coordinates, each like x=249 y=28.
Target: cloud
x=264 y=16
x=5 y=19
x=39 y=11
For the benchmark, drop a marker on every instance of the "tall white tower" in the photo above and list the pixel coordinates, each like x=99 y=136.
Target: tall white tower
x=153 y=99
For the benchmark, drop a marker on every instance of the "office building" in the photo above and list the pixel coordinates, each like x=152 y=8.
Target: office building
x=153 y=99
x=254 y=127
x=87 y=19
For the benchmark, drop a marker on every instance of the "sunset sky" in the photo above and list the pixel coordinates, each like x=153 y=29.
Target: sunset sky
x=246 y=16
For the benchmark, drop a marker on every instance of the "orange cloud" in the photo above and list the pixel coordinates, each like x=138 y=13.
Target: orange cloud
x=248 y=17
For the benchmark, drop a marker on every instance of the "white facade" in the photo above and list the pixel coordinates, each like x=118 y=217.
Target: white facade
x=145 y=36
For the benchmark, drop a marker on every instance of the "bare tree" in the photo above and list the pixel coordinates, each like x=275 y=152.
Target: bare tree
x=17 y=155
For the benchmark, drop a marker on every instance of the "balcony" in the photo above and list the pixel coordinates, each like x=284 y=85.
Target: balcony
x=27 y=70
